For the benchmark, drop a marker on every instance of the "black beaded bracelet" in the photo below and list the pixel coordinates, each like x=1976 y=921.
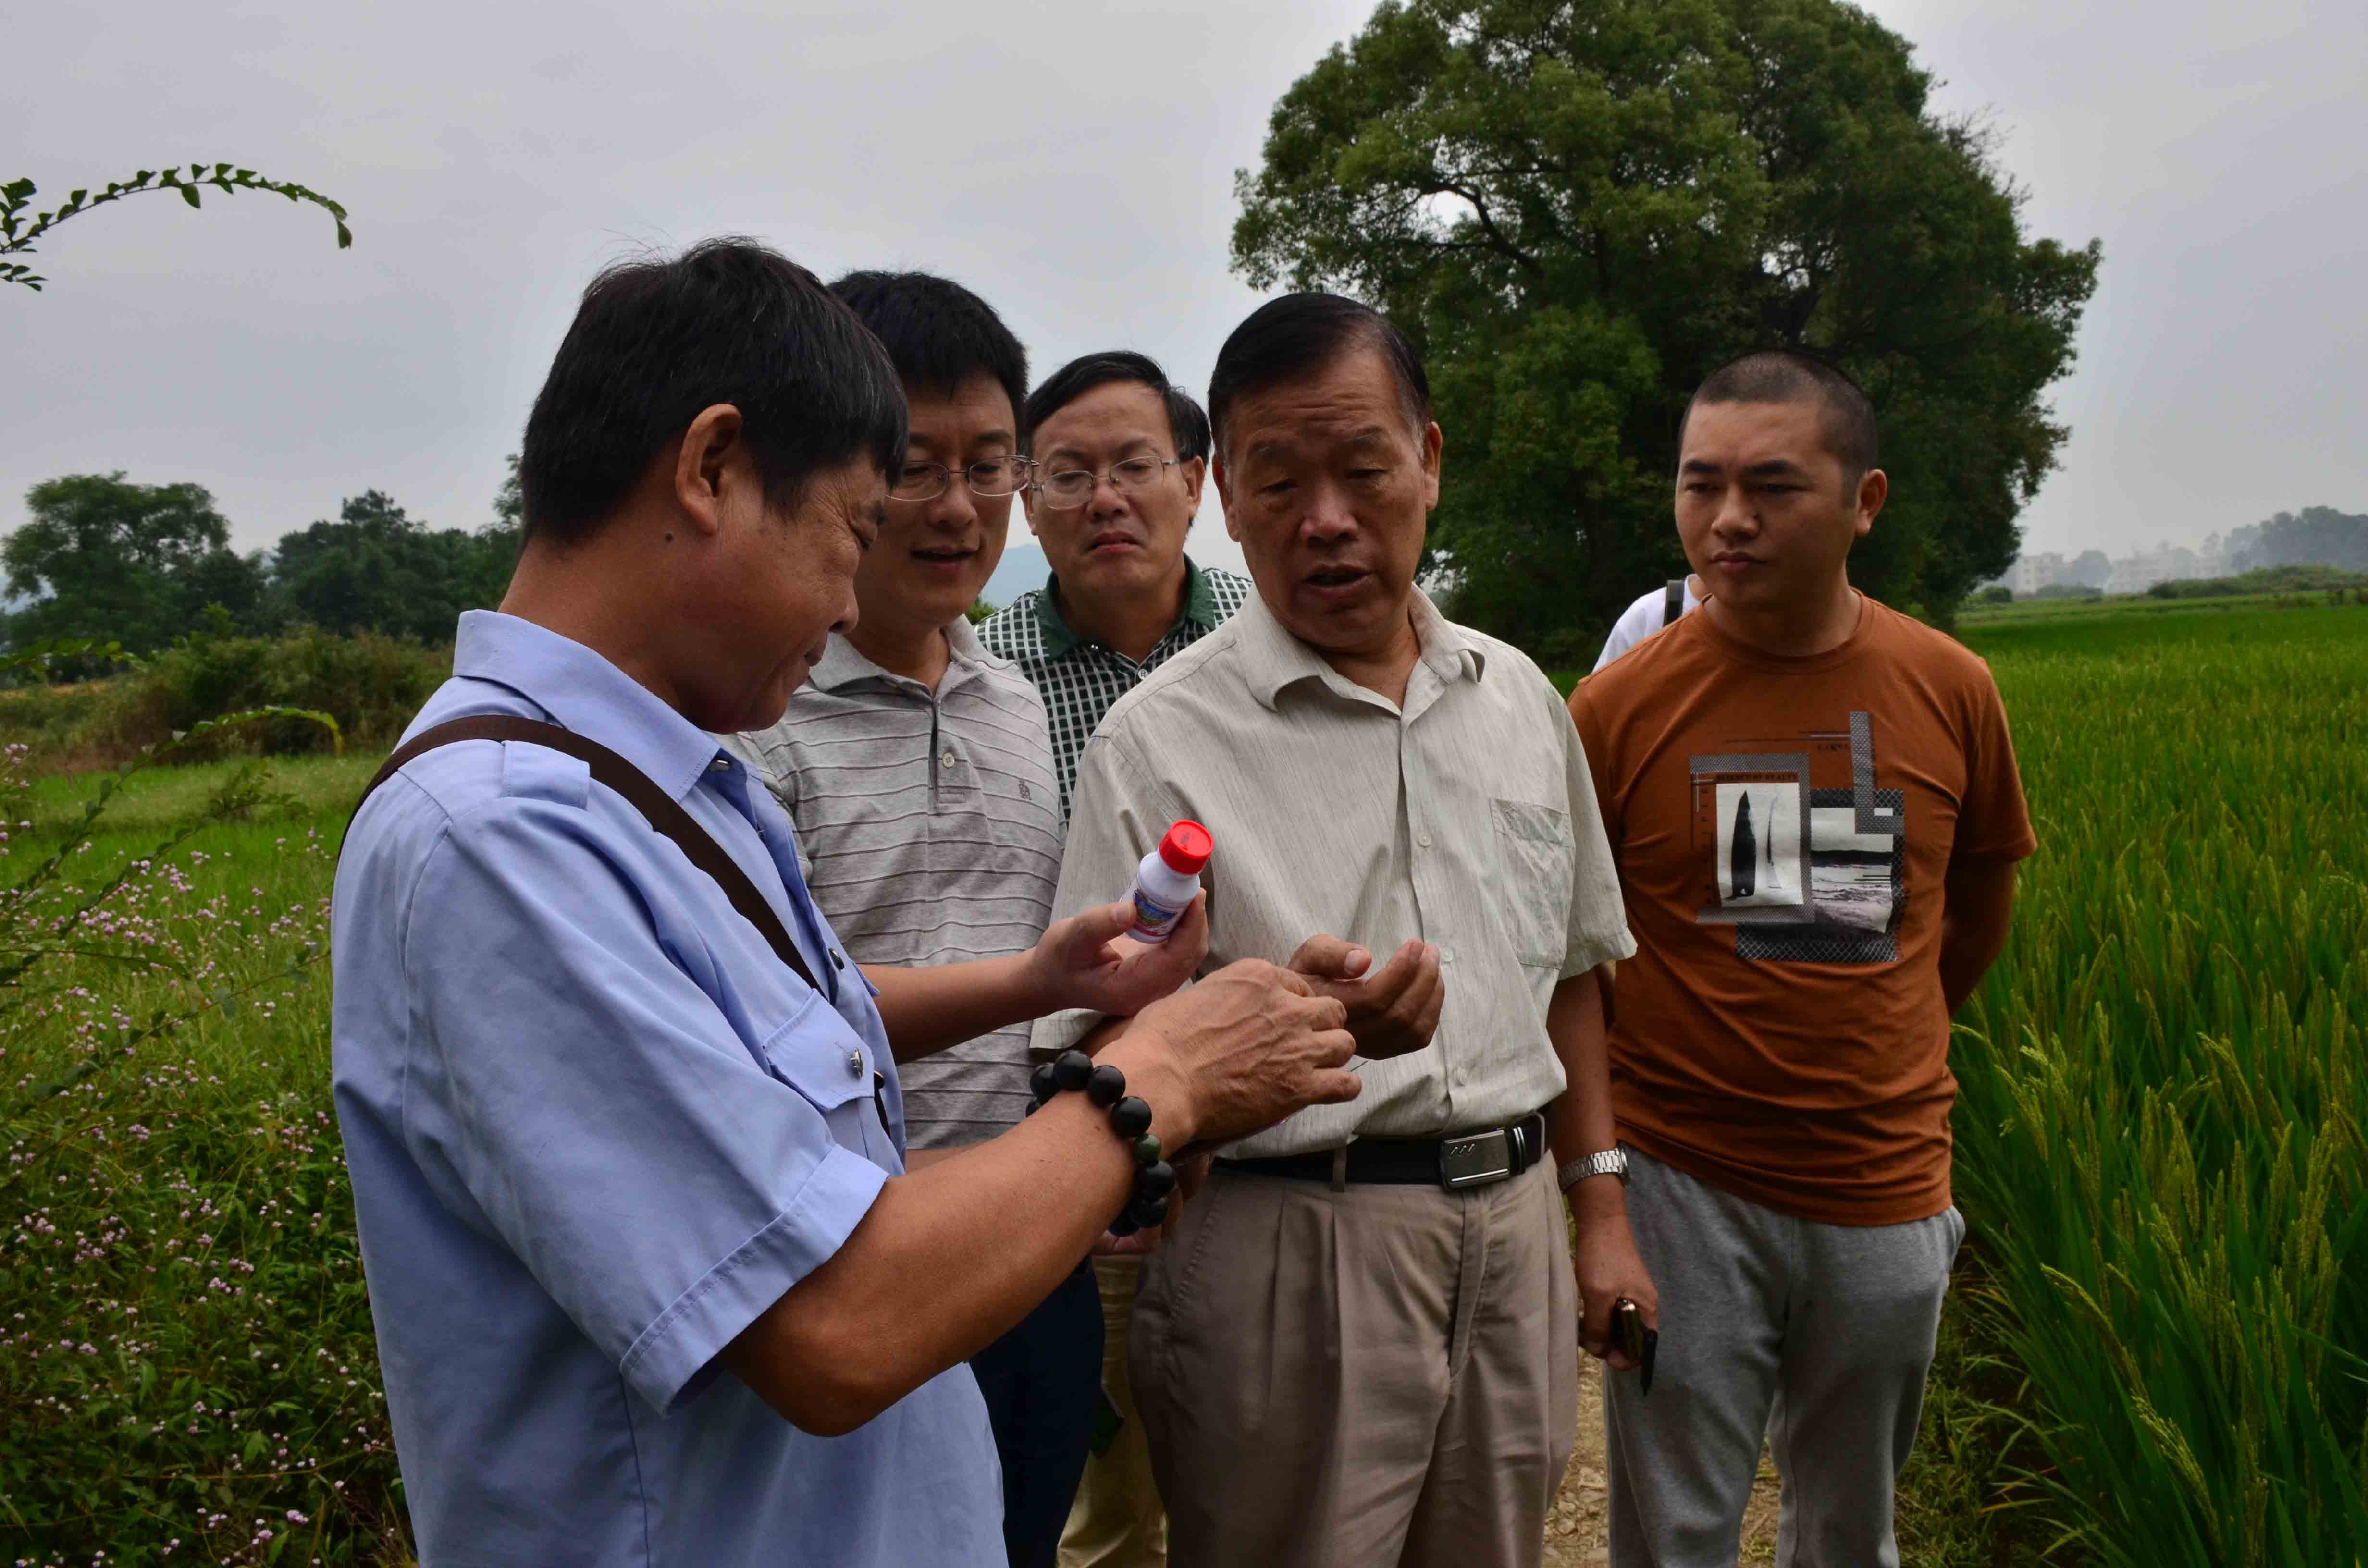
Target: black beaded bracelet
x=1129 y=1118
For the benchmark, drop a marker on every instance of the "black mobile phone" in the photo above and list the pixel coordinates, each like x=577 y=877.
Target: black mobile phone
x=1635 y=1341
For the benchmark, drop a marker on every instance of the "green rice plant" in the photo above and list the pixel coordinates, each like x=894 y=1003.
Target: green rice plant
x=2162 y=1086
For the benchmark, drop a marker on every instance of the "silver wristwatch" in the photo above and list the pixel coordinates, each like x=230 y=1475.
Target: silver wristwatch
x=1609 y=1162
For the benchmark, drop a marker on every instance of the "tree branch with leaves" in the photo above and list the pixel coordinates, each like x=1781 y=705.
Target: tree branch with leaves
x=20 y=226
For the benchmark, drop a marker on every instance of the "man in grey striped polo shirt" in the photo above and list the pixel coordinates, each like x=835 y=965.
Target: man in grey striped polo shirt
x=918 y=772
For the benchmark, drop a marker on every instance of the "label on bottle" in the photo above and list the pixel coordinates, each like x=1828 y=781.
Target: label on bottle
x=1153 y=920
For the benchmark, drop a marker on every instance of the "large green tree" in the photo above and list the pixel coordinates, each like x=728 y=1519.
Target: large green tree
x=1578 y=209
x=103 y=558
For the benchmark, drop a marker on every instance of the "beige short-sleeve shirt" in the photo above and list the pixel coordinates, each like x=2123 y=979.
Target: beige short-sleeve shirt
x=1465 y=817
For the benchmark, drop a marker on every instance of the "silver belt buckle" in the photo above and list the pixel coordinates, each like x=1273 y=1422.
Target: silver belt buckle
x=1476 y=1160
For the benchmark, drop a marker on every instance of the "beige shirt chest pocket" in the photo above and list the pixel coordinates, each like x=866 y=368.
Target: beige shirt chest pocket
x=1532 y=892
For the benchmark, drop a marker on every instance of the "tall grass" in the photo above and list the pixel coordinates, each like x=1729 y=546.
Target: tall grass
x=186 y=1369
x=2162 y=1092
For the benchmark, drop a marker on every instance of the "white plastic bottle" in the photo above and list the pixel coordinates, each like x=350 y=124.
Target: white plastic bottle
x=1169 y=876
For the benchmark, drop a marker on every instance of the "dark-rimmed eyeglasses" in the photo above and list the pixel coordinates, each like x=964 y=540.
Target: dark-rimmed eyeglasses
x=1075 y=486
x=927 y=482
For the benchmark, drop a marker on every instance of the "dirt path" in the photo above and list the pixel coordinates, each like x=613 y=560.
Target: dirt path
x=1575 y=1531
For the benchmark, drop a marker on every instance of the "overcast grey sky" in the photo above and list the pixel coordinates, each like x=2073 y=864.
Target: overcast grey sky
x=1074 y=166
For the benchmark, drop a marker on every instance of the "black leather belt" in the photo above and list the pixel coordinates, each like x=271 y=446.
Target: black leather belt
x=1454 y=1163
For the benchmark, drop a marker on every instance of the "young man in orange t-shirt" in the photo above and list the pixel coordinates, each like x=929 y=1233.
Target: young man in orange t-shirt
x=1813 y=804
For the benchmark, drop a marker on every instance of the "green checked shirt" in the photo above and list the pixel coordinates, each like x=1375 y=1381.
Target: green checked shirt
x=1078 y=680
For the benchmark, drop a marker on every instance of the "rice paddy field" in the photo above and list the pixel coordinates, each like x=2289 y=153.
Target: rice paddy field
x=2156 y=1358
x=2163 y=1088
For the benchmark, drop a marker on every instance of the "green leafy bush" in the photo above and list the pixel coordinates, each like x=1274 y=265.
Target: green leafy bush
x=369 y=684
x=47 y=720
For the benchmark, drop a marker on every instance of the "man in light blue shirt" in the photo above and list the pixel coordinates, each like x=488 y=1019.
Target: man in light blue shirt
x=650 y=1283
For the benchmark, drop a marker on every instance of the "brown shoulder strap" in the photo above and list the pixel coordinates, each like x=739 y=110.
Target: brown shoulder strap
x=663 y=811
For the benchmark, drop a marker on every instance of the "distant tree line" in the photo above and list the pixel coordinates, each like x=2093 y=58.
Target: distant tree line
x=2089 y=569
x=2316 y=536
x=103 y=558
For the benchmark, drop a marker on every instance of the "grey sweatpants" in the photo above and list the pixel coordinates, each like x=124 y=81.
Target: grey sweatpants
x=1817 y=1336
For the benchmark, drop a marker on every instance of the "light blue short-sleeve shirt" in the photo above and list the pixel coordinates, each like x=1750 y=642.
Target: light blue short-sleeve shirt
x=595 y=1128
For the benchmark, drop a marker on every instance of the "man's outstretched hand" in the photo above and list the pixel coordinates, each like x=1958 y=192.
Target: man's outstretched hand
x=1087 y=960
x=1392 y=1011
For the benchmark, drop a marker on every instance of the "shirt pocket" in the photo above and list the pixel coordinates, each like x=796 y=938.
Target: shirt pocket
x=1534 y=855
x=819 y=1056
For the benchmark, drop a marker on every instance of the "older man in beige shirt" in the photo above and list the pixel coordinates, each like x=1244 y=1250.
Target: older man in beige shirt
x=1360 y=1346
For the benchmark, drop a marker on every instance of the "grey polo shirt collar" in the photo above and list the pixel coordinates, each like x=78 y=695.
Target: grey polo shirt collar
x=842 y=668
x=1274 y=659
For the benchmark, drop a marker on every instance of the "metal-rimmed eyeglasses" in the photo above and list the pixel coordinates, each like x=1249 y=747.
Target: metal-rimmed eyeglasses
x=1075 y=486
x=927 y=482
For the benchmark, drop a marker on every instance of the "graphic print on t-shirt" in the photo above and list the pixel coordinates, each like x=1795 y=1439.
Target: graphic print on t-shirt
x=1807 y=869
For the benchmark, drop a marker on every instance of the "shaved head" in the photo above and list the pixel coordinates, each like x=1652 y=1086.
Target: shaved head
x=1781 y=375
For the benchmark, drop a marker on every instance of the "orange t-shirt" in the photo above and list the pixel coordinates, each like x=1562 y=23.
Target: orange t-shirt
x=1783 y=828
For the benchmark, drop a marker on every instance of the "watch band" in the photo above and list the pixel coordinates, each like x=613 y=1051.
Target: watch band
x=1604 y=1161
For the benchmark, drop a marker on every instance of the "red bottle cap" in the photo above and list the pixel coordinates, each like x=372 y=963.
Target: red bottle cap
x=1186 y=849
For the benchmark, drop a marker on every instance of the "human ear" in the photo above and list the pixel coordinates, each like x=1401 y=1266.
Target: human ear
x=1226 y=496
x=1432 y=444
x=1873 y=489
x=1194 y=469
x=710 y=448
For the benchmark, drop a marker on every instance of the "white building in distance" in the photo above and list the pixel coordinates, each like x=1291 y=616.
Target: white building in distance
x=2031 y=572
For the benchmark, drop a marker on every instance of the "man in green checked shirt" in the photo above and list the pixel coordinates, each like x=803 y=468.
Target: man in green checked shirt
x=1121 y=455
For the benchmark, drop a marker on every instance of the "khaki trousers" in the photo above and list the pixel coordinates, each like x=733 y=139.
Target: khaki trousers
x=1115 y=1521
x=1380 y=1375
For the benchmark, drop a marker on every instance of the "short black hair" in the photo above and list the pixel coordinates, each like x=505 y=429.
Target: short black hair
x=938 y=333
x=1187 y=426
x=656 y=341
x=1789 y=375
x=1299 y=335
